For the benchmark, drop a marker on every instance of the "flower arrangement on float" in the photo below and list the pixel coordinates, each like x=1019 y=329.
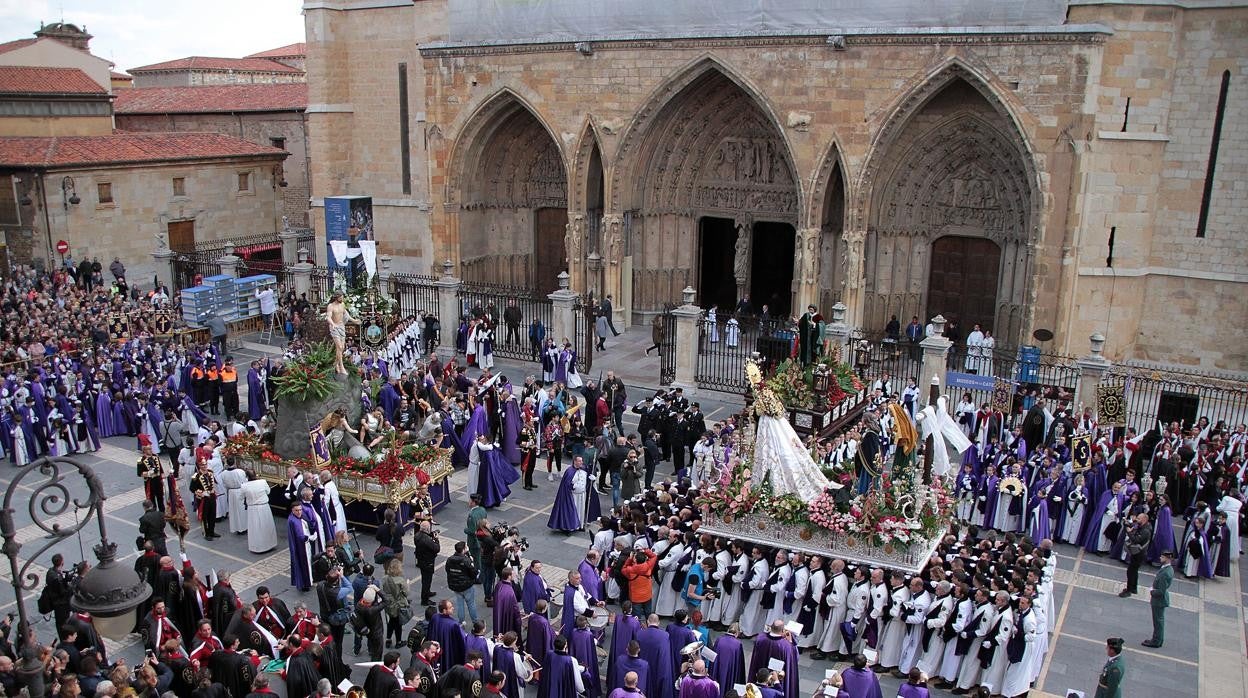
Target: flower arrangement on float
x=803 y=388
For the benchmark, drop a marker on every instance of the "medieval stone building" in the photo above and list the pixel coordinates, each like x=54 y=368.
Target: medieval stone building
x=1068 y=165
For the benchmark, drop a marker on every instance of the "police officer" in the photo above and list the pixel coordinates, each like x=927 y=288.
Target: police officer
x=1110 y=683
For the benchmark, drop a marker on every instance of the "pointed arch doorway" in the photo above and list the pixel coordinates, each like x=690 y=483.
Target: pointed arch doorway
x=963 y=282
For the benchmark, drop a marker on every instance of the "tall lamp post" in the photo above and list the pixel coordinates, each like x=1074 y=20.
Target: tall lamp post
x=109 y=591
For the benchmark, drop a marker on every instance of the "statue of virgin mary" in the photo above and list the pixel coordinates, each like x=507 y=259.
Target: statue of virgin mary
x=780 y=458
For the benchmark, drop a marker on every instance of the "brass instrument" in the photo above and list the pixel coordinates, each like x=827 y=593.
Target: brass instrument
x=566 y=422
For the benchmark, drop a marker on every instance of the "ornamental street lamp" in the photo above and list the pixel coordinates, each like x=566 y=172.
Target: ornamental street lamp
x=109 y=592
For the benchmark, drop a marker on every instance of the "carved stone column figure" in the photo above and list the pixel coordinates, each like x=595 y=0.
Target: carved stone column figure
x=613 y=264
x=853 y=243
x=806 y=268
x=741 y=259
x=574 y=248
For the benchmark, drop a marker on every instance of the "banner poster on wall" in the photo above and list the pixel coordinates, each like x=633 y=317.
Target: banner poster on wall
x=348 y=223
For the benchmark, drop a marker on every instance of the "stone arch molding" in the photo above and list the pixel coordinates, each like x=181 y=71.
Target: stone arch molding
x=962 y=168
x=590 y=136
x=633 y=161
x=502 y=115
x=910 y=104
x=833 y=158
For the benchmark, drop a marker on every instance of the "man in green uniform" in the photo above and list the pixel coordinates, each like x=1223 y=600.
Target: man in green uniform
x=475 y=515
x=1110 y=683
x=1160 y=600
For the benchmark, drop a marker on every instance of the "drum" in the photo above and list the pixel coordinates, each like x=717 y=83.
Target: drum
x=600 y=619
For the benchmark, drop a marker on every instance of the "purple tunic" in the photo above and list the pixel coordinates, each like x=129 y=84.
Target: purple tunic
x=637 y=665
x=591 y=579
x=698 y=687
x=768 y=647
x=563 y=514
x=658 y=655
x=511 y=431
x=909 y=690
x=861 y=683
x=506 y=609
x=728 y=669
x=678 y=635
x=478 y=643
x=540 y=641
x=255 y=395
x=558 y=680
x=504 y=660
x=495 y=476
x=298 y=554
x=446 y=631
x=534 y=590
x=583 y=647
x=624 y=632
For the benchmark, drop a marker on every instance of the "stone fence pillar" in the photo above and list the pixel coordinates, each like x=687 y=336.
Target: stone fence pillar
x=290 y=247
x=836 y=334
x=448 y=310
x=686 y=345
x=935 y=349
x=164 y=268
x=563 y=313
x=1091 y=369
x=229 y=262
x=384 y=274
x=301 y=274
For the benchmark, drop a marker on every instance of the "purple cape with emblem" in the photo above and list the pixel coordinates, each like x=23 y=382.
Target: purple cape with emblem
x=861 y=683
x=1092 y=522
x=768 y=647
x=586 y=652
x=446 y=631
x=506 y=609
x=255 y=395
x=658 y=654
x=1163 y=535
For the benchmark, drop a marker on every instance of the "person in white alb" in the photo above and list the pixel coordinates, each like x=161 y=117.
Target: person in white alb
x=268 y=303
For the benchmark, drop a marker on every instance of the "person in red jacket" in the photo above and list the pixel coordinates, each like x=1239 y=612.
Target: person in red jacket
x=640 y=572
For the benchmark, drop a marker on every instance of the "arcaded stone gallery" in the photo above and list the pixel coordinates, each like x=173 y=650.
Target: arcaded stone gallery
x=1062 y=165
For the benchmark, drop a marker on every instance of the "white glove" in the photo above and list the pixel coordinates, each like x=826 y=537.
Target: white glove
x=987 y=644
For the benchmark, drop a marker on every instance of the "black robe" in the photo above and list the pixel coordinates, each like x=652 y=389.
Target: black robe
x=460 y=678
x=224 y=604
x=249 y=636
x=381 y=682
x=279 y=609
x=301 y=675
x=233 y=670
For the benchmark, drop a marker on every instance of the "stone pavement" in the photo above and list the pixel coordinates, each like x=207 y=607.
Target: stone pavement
x=1204 y=653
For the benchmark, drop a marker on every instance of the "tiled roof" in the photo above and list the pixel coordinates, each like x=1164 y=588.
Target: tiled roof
x=34 y=80
x=299 y=49
x=121 y=148
x=119 y=76
x=14 y=45
x=250 y=65
x=290 y=96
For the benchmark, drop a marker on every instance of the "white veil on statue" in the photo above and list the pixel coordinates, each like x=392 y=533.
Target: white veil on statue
x=779 y=455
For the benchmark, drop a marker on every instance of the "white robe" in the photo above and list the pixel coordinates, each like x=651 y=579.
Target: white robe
x=994 y=676
x=930 y=659
x=732 y=332
x=776 y=612
x=968 y=673
x=1231 y=506
x=734 y=603
x=801 y=588
x=950 y=662
x=1018 y=676
x=895 y=632
x=218 y=467
x=1072 y=523
x=844 y=604
x=474 y=471
x=232 y=480
x=817 y=582
x=1103 y=543
x=753 y=614
x=714 y=609
x=912 y=645
x=333 y=500
x=667 y=599
x=261 y=531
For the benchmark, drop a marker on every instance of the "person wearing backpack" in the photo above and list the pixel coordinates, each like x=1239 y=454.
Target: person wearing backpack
x=398 y=605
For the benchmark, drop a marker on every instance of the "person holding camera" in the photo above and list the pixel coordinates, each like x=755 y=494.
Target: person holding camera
x=360 y=583
x=488 y=539
x=426 y=548
x=367 y=621
x=1139 y=535
x=461 y=577
x=640 y=575
x=333 y=597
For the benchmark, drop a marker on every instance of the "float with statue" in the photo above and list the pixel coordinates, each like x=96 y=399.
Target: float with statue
x=317 y=417
x=769 y=490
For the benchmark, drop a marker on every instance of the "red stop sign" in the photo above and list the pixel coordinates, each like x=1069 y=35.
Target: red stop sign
x=62 y=246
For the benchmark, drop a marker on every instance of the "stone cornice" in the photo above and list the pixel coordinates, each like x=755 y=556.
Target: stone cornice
x=866 y=36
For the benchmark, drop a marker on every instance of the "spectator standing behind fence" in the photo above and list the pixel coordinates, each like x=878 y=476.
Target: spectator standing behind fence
x=512 y=317
x=657 y=331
